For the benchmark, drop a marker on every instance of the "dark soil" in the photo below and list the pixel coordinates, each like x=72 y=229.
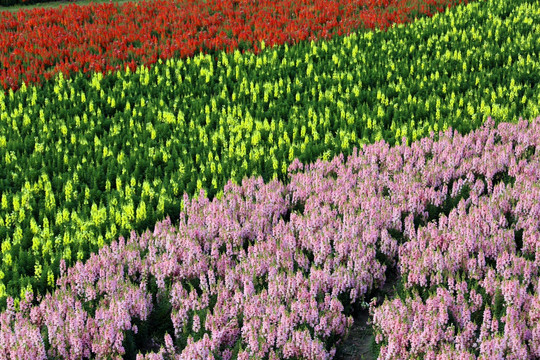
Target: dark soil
x=360 y=343
x=357 y=345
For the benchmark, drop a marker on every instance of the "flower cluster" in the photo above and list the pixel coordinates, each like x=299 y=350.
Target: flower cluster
x=472 y=274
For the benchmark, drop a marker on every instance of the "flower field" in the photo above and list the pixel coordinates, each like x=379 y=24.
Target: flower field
x=248 y=201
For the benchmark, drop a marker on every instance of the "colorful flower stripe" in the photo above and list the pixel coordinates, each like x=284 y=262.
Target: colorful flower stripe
x=272 y=270
x=40 y=43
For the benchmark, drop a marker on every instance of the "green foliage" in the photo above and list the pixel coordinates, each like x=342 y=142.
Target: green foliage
x=151 y=332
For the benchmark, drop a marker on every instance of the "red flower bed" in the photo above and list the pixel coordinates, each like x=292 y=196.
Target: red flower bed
x=38 y=43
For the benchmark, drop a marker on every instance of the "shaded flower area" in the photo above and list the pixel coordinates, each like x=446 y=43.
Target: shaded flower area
x=37 y=44
x=274 y=271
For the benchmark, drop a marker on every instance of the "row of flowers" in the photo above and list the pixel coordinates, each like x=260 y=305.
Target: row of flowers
x=37 y=44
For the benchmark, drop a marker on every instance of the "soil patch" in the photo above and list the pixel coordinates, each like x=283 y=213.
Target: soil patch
x=360 y=342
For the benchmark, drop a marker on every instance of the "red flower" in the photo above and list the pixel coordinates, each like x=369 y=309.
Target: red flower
x=98 y=37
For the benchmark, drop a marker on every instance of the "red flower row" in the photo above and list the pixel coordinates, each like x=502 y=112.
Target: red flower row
x=36 y=44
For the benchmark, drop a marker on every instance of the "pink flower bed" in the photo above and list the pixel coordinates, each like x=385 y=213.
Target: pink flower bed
x=472 y=276
x=272 y=270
